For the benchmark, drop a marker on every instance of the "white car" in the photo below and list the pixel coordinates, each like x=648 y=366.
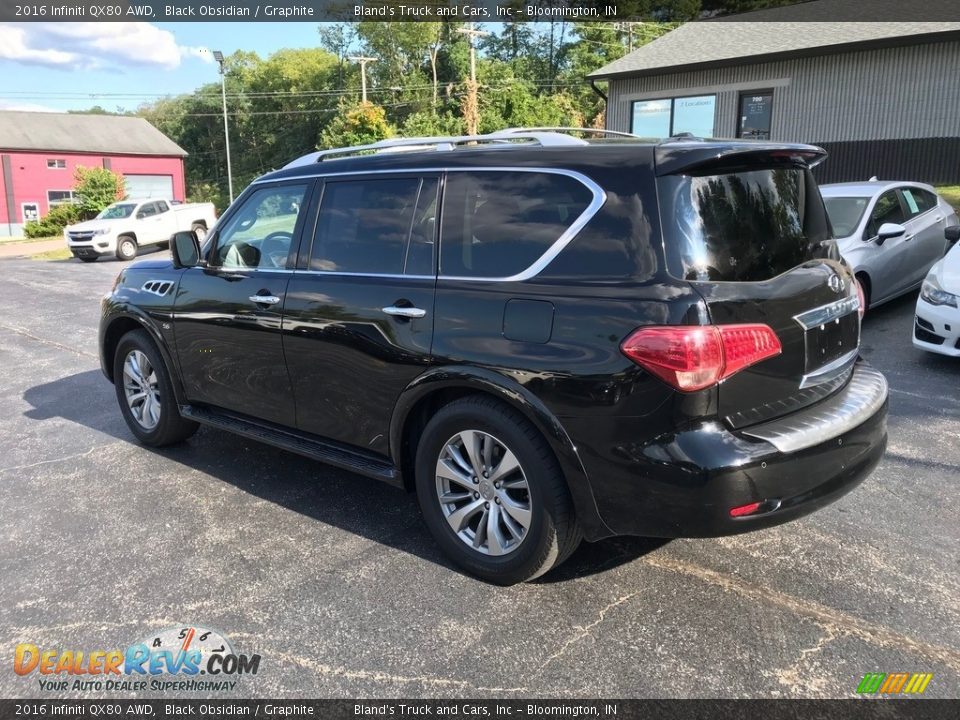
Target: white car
x=937 y=325
x=124 y=227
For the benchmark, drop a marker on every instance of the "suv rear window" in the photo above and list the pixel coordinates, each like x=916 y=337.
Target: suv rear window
x=741 y=226
x=497 y=224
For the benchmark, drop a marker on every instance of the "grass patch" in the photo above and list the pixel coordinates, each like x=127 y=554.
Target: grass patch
x=950 y=193
x=58 y=254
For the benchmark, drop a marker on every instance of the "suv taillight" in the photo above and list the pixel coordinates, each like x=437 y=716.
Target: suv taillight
x=694 y=357
x=861 y=298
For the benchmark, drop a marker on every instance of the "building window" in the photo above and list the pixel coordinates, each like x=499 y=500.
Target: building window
x=59 y=197
x=55 y=164
x=756 y=112
x=671 y=116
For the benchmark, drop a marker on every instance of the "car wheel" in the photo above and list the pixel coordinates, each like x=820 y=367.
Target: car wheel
x=89 y=259
x=200 y=231
x=492 y=492
x=126 y=248
x=145 y=392
x=864 y=281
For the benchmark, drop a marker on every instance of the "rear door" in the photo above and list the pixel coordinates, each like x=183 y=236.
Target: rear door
x=753 y=239
x=358 y=322
x=925 y=222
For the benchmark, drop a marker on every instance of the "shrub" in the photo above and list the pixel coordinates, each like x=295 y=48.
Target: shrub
x=54 y=221
x=356 y=125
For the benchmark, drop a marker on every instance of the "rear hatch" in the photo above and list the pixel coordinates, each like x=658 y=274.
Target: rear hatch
x=746 y=226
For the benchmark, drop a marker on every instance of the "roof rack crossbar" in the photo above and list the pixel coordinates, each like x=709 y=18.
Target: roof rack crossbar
x=441 y=144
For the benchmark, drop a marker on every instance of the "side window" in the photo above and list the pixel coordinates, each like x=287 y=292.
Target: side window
x=918 y=201
x=379 y=226
x=162 y=207
x=259 y=233
x=887 y=210
x=497 y=224
x=147 y=210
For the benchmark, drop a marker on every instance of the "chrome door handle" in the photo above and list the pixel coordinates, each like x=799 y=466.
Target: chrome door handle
x=405 y=312
x=264 y=299
x=940 y=219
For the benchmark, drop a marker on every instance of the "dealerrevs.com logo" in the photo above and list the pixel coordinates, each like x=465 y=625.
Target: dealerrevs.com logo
x=177 y=659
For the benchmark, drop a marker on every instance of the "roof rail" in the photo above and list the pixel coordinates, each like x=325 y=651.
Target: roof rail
x=584 y=130
x=504 y=138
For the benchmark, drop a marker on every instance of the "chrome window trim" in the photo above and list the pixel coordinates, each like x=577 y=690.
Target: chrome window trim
x=599 y=198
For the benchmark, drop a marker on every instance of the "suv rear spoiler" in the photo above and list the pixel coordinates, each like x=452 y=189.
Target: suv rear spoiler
x=698 y=157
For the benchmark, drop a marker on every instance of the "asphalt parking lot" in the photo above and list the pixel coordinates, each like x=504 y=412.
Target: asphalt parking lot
x=335 y=582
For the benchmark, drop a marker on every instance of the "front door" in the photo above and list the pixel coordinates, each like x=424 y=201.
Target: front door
x=888 y=257
x=358 y=322
x=228 y=314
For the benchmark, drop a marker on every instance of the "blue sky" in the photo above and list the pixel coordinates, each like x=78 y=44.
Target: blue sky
x=73 y=66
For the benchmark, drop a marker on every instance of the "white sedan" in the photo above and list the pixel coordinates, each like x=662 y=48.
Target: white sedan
x=937 y=325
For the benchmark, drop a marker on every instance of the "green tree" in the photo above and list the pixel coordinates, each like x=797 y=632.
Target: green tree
x=360 y=124
x=94 y=188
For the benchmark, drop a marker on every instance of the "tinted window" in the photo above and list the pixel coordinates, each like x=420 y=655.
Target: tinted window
x=741 y=226
x=497 y=224
x=364 y=226
x=887 y=210
x=845 y=213
x=162 y=207
x=259 y=233
x=148 y=210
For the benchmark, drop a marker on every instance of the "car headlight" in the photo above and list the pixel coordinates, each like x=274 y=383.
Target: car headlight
x=932 y=293
x=101 y=231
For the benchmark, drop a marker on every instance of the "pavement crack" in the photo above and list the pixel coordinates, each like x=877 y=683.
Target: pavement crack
x=52 y=343
x=385 y=677
x=830 y=619
x=53 y=460
x=583 y=631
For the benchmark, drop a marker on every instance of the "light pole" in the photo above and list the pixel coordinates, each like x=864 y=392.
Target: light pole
x=218 y=56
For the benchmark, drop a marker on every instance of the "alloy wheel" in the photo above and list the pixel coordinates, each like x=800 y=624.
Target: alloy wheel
x=141 y=389
x=483 y=492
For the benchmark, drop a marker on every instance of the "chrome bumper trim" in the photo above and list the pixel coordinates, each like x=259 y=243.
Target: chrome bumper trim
x=857 y=402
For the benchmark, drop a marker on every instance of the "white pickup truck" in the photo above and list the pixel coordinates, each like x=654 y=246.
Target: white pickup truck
x=124 y=227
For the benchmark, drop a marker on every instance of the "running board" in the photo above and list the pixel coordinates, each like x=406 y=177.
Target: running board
x=341 y=457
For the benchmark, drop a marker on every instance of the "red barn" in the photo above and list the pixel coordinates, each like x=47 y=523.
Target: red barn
x=39 y=152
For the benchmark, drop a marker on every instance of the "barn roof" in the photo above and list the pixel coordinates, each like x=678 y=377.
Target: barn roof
x=75 y=132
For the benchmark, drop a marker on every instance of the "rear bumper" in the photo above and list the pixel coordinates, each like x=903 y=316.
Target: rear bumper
x=684 y=484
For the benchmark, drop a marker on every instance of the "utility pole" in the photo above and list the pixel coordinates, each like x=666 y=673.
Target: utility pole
x=363 y=72
x=218 y=56
x=471 y=109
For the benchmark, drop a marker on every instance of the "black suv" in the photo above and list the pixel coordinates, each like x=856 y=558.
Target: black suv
x=547 y=338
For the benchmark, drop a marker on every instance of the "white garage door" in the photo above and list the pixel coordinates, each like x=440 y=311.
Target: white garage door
x=149 y=186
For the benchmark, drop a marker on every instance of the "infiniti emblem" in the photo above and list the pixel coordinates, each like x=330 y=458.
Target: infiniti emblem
x=835 y=283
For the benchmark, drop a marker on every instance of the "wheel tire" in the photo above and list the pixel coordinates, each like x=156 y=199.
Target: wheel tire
x=552 y=534
x=170 y=427
x=201 y=231
x=864 y=281
x=126 y=248
x=89 y=259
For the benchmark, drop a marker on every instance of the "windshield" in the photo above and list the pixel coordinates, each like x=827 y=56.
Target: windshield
x=117 y=211
x=741 y=226
x=845 y=213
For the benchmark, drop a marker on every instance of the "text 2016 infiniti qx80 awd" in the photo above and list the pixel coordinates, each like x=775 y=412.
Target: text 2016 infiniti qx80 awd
x=547 y=338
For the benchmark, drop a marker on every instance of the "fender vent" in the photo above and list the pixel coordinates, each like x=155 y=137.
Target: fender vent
x=157 y=287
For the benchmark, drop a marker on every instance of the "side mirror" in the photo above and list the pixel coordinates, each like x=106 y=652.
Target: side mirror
x=141 y=215
x=952 y=233
x=185 y=248
x=889 y=230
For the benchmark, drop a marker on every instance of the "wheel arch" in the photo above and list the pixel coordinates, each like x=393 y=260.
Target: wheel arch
x=130 y=234
x=442 y=385
x=121 y=324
